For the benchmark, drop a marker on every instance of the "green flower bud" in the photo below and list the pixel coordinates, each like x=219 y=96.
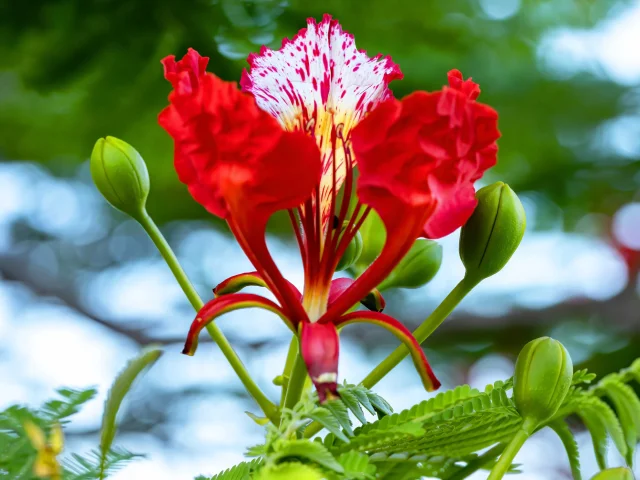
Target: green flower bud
x=417 y=267
x=620 y=473
x=120 y=174
x=351 y=254
x=493 y=233
x=541 y=381
x=373 y=239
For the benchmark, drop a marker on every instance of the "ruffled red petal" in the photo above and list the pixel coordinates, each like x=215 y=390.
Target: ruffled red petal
x=418 y=159
x=227 y=149
x=428 y=148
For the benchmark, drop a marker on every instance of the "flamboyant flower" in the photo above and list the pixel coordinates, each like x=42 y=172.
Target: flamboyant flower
x=309 y=114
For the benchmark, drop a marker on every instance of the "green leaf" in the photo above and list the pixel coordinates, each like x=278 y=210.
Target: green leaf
x=361 y=394
x=308 y=450
x=262 y=421
x=594 y=408
x=597 y=430
x=454 y=423
x=119 y=389
x=72 y=400
x=625 y=410
x=339 y=410
x=357 y=466
x=255 y=451
x=242 y=471
x=350 y=399
x=570 y=445
x=328 y=421
x=238 y=472
x=582 y=376
x=96 y=465
x=379 y=404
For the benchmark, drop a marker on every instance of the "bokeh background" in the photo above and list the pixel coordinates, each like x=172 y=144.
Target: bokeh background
x=82 y=289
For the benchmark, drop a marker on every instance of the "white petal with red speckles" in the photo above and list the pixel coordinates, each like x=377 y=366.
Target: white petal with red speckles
x=317 y=81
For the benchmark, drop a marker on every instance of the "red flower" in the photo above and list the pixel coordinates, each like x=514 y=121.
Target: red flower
x=315 y=110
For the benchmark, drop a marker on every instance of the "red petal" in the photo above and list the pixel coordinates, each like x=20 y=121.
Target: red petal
x=227 y=149
x=185 y=74
x=437 y=146
x=250 y=279
x=468 y=87
x=418 y=160
x=237 y=161
x=320 y=348
x=385 y=321
x=228 y=303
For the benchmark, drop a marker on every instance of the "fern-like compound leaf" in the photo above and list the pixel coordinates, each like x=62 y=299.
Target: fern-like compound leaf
x=357 y=466
x=340 y=412
x=70 y=403
x=307 y=450
x=96 y=464
x=242 y=471
x=119 y=389
x=325 y=418
x=611 y=387
x=570 y=445
x=351 y=401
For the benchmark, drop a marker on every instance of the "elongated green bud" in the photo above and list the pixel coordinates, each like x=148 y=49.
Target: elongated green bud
x=417 y=268
x=542 y=380
x=121 y=175
x=351 y=254
x=620 y=473
x=493 y=233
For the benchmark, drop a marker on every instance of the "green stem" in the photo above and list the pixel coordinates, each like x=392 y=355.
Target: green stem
x=422 y=332
x=478 y=462
x=296 y=382
x=269 y=409
x=288 y=366
x=503 y=464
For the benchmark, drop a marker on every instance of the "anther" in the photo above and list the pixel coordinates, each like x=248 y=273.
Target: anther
x=311 y=123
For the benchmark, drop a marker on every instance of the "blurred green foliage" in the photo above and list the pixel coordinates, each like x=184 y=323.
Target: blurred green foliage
x=75 y=70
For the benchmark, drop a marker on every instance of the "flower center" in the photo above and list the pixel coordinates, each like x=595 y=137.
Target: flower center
x=323 y=237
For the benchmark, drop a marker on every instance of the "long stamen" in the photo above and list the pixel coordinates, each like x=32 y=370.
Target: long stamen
x=348 y=182
x=342 y=235
x=296 y=224
x=331 y=232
